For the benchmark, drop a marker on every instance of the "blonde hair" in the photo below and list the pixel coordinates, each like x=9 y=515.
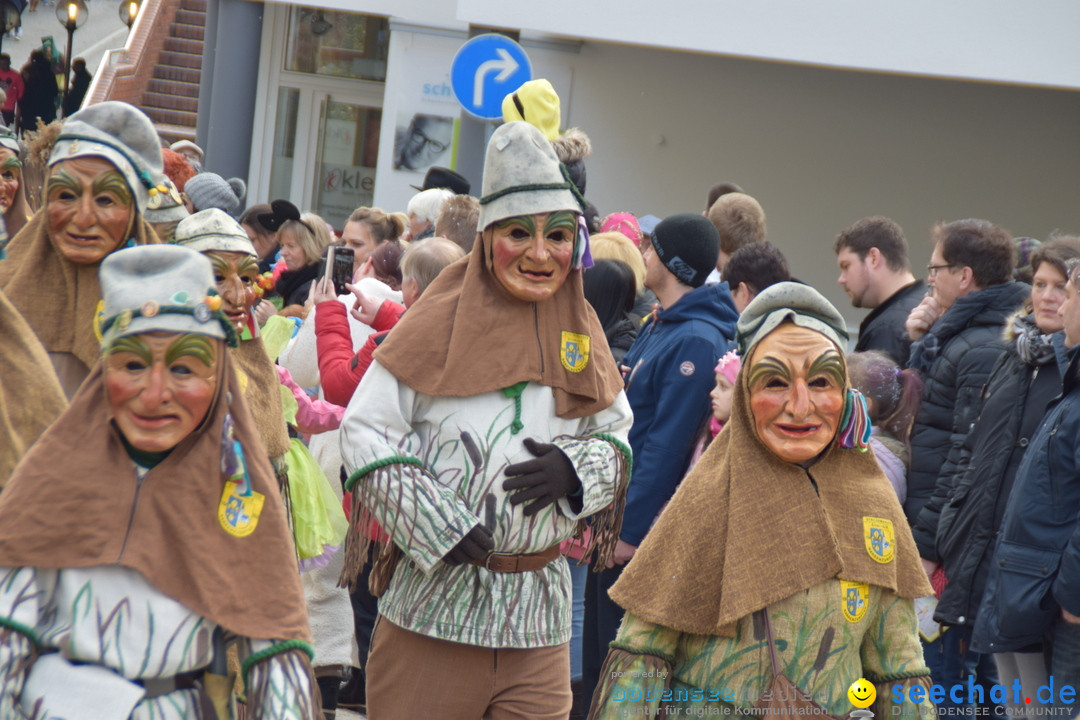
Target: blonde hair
x=324 y=235
x=383 y=225
x=739 y=219
x=613 y=245
x=305 y=233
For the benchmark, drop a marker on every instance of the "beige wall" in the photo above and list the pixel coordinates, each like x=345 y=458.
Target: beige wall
x=821 y=148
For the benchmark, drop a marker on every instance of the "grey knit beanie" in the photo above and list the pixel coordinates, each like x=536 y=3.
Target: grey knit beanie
x=209 y=190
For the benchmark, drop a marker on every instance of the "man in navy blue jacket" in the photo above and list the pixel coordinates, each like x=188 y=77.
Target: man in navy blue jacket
x=668 y=373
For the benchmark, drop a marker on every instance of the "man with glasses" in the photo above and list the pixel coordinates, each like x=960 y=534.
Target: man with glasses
x=957 y=337
x=423 y=142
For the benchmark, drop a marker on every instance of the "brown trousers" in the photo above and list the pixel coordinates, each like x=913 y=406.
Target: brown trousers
x=412 y=676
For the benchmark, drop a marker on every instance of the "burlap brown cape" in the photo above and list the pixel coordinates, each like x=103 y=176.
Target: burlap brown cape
x=74 y=501
x=746 y=529
x=30 y=394
x=58 y=298
x=263 y=394
x=467 y=335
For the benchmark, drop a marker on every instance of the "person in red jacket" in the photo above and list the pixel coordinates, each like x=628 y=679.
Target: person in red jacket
x=340 y=370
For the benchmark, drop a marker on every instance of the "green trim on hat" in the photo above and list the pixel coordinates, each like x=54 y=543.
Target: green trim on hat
x=567 y=184
x=141 y=173
x=231 y=337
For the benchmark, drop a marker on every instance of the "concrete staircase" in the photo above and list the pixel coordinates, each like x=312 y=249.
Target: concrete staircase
x=159 y=71
x=171 y=98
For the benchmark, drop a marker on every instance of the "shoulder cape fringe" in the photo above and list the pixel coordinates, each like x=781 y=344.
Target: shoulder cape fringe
x=605 y=525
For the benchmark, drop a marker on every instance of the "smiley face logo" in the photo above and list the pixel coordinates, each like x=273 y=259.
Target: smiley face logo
x=862 y=693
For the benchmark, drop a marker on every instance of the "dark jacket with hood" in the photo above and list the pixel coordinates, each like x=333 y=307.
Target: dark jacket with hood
x=668 y=382
x=1036 y=564
x=1021 y=386
x=954 y=359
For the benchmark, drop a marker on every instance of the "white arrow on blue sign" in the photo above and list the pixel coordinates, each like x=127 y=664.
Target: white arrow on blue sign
x=486 y=69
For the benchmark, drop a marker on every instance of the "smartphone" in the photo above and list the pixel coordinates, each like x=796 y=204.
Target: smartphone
x=339 y=267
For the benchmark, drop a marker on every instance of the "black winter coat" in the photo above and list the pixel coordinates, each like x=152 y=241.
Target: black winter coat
x=883 y=329
x=1035 y=571
x=1014 y=403
x=954 y=358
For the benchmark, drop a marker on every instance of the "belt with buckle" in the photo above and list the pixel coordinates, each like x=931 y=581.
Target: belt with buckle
x=163 y=686
x=511 y=563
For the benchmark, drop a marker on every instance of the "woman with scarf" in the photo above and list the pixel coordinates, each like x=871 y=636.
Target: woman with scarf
x=144 y=530
x=490 y=425
x=783 y=570
x=100 y=179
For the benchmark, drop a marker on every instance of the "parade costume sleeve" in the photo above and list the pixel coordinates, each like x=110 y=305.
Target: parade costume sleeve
x=636 y=673
x=892 y=657
x=339 y=377
x=313 y=416
x=279 y=681
x=424 y=518
x=681 y=404
x=18 y=616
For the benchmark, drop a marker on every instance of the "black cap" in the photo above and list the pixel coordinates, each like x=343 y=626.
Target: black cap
x=688 y=245
x=440 y=177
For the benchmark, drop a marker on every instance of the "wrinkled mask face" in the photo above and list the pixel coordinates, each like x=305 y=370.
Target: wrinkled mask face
x=531 y=254
x=10 y=177
x=160 y=386
x=89 y=208
x=797 y=381
x=236 y=276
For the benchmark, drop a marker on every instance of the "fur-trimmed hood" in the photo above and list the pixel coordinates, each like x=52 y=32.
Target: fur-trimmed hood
x=572 y=146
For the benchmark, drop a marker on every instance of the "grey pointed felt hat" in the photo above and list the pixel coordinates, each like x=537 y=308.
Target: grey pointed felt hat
x=158 y=288
x=213 y=230
x=522 y=176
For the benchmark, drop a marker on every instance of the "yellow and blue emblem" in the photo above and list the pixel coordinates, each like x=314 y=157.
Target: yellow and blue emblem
x=574 y=351
x=879 y=538
x=239 y=514
x=854 y=599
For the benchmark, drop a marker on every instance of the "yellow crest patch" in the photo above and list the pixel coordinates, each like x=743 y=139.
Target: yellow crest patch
x=854 y=599
x=879 y=538
x=239 y=514
x=574 y=351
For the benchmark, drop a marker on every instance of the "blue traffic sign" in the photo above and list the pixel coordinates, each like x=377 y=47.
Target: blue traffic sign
x=486 y=69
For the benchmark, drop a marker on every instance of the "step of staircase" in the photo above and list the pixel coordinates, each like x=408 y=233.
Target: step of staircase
x=196 y=5
x=165 y=101
x=183 y=60
x=173 y=87
x=190 y=17
x=171 y=117
x=179 y=74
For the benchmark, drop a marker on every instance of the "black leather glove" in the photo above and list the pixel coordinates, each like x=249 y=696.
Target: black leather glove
x=543 y=480
x=475 y=546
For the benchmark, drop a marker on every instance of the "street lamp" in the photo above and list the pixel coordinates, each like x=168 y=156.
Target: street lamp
x=71 y=14
x=129 y=9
